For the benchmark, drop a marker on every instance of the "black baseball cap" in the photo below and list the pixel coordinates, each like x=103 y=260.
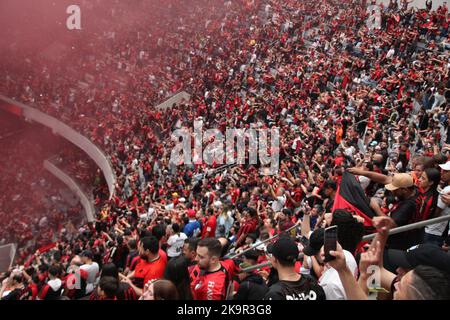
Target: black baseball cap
x=316 y=240
x=284 y=249
x=423 y=254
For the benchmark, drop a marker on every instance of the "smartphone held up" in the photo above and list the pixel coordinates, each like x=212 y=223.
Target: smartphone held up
x=330 y=242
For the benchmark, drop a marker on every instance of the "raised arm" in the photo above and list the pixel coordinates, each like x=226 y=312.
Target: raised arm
x=352 y=290
x=374 y=256
x=374 y=176
x=306 y=224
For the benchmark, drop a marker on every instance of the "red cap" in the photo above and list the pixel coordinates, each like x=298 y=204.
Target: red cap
x=191 y=213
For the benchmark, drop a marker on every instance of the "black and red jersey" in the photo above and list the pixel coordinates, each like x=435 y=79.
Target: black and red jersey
x=124 y=292
x=134 y=262
x=75 y=284
x=51 y=290
x=248 y=227
x=426 y=205
x=131 y=256
x=209 y=285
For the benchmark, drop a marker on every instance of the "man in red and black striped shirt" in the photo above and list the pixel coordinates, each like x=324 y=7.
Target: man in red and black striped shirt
x=249 y=226
x=209 y=279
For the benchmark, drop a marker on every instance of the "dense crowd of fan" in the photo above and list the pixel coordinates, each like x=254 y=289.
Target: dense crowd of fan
x=353 y=87
x=32 y=204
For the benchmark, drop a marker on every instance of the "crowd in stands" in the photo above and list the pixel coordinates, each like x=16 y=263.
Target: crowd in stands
x=32 y=207
x=354 y=88
x=83 y=170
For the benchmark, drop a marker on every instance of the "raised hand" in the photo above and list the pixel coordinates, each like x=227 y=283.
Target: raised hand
x=371 y=257
x=383 y=224
x=338 y=263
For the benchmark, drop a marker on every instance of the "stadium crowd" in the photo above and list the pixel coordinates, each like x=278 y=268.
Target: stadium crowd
x=356 y=89
x=32 y=207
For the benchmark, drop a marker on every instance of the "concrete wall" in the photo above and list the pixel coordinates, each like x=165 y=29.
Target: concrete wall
x=70 y=134
x=177 y=98
x=7 y=255
x=85 y=200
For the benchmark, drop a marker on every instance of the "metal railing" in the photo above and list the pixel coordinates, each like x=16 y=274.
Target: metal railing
x=261 y=243
x=412 y=226
x=401 y=229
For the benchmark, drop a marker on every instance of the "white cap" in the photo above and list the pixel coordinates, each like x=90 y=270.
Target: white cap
x=445 y=166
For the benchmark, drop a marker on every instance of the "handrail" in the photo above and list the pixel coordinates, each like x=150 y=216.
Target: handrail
x=266 y=264
x=176 y=98
x=65 y=131
x=257 y=266
x=72 y=185
x=368 y=237
x=412 y=226
x=262 y=242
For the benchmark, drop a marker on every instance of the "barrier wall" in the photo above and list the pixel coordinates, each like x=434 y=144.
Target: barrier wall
x=177 y=98
x=68 y=133
x=72 y=185
x=7 y=255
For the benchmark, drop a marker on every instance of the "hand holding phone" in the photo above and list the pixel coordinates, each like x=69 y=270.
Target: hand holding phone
x=330 y=242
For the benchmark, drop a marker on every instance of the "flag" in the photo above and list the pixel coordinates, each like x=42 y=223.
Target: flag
x=11 y=108
x=46 y=248
x=350 y=196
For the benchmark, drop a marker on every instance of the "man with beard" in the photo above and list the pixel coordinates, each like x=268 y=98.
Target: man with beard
x=151 y=265
x=190 y=252
x=209 y=279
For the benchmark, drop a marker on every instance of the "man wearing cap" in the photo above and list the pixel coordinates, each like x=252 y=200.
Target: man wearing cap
x=252 y=285
x=291 y=285
x=436 y=231
x=193 y=228
x=423 y=254
x=404 y=211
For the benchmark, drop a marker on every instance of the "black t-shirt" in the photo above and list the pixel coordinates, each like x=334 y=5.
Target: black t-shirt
x=304 y=289
x=14 y=295
x=404 y=214
x=252 y=288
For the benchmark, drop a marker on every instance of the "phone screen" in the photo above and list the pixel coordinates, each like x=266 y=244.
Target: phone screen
x=330 y=241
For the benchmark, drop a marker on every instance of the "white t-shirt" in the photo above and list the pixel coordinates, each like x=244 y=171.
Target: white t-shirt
x=93 y=272
x=364 y=181
x=175 y=244
x=438 y=229
x=390 y=53
x=278 y=204
x=330 y=281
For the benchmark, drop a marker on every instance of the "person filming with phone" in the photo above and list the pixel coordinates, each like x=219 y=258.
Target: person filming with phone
x=321 y=242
